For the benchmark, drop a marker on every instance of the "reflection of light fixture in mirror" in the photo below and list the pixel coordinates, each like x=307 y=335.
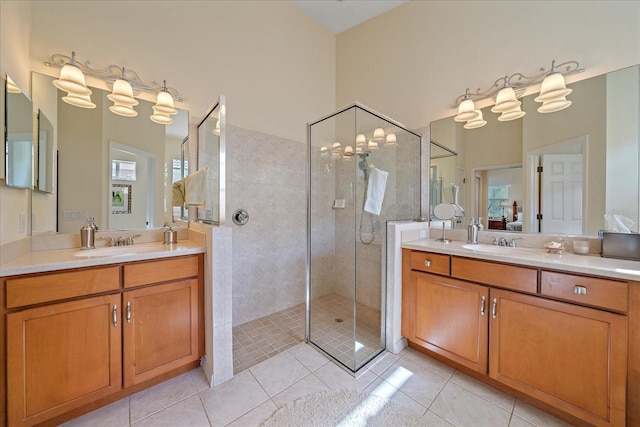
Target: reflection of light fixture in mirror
x=216 y=131
x=514 y=114
x=348 y=151
x=478 y=122
x=324 y=151
x=378 y=135
x=125 y=83
x=123 y=110
x=372 y=145
x=467 y=109
x=82 y=101
x=361 y=140
x=12 y=87
x=335 y=150
x=391 y=140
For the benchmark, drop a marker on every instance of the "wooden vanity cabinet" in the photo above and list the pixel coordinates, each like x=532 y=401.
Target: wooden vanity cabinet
x=106 y=335
x=558 y=338
x=62 y=356
x=573 y=358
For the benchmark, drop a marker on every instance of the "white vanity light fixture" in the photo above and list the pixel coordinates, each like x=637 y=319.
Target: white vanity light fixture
x=348 y=151
x=553 y=92
x=361 y=140
x=508 y=89
x=126 y=83
x=467 y=109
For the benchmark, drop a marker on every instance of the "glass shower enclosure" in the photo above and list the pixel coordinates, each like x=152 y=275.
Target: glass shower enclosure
x=363 y=171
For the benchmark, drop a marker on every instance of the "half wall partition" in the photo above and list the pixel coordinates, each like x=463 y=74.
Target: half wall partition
x=363 y=170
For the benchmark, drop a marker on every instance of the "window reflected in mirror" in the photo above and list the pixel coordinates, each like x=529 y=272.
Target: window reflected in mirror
x=19 y=149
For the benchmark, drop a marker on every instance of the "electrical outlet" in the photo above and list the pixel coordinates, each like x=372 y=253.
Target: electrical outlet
x=23 y=223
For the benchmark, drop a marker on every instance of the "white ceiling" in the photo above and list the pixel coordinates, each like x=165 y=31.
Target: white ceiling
x=340 y=15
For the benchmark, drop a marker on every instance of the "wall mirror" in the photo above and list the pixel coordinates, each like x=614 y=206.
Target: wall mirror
x=19 y=146
x=212 y=164
x=88 y=142
x=553 y=173
x=44 y=158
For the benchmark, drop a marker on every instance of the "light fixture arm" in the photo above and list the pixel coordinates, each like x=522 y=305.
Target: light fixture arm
x=112 y=73
x=519 y=82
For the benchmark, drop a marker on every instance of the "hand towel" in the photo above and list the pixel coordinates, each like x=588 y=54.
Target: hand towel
x=375 y=191
x=177 y=193
x=194 y=188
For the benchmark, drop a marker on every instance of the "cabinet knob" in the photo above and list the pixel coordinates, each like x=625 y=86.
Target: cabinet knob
x=579 y=290
x=427 y=263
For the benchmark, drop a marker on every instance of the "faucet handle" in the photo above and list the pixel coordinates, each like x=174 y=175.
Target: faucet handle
x=512 y=243
x=130 y=239
x=111 y=241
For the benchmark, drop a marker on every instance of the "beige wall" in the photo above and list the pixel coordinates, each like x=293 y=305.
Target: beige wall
x=413 y=62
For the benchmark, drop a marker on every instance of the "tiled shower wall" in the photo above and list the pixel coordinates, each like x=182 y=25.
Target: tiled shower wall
x=267 y=177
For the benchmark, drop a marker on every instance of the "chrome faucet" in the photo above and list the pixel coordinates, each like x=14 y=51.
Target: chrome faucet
x=110 y=240
x=512 y=243
x=130 y=239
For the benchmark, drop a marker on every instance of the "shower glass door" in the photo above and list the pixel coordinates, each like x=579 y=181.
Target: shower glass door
x=364 y=170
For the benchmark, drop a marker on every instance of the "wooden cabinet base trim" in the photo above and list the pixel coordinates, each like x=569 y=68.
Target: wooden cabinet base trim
x=497 y=385
x=54 y=422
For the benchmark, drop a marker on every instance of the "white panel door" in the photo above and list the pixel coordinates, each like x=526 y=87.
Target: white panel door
x=561 y=188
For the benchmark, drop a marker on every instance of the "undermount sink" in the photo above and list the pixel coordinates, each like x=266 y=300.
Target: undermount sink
x=502 y=250
x=115 y=251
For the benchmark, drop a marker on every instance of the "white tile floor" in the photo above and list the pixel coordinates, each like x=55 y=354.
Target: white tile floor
x=444 y=396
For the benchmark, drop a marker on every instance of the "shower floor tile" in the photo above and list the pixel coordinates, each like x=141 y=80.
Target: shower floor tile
x=260 y=339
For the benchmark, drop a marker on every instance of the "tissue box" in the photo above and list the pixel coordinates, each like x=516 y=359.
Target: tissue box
x=621 y=245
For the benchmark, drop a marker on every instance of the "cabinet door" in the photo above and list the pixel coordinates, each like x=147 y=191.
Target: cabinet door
x=451 y=319
x=571 y=357
x=62 y=356
x=160 y=329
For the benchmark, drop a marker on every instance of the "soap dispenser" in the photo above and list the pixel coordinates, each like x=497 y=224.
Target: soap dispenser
x=88 y=234
x=472 y=232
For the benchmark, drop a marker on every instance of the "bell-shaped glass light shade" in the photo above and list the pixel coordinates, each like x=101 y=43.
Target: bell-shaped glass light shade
x=348 y=151
x=361 y=140
x=476 y=123
x=378 y=135
x=514 y=114
x=164 y=103
x=160 y=118
x=391 y=140
x=72 y=81
x=83 y=101
x=466 y=111
x=122 y=94
x=324 y=151
x=506 y=100
x=216 y=131
x=372 y=145
x=123 y=110
x=554 y=105
x=553 y=87
x=12 y=87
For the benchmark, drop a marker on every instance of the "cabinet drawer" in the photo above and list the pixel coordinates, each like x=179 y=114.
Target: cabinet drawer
x=605 y=293
x=51 y=287
x=144 y=273
x=431 y=263
x=501 y=275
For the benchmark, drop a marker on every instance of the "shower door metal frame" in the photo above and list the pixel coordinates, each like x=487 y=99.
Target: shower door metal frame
x=384 y=299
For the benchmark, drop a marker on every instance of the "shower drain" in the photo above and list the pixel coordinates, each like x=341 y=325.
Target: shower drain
x=338 y=319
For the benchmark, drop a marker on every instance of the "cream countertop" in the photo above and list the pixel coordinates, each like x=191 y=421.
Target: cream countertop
x=60 y=259
x=585 y=264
